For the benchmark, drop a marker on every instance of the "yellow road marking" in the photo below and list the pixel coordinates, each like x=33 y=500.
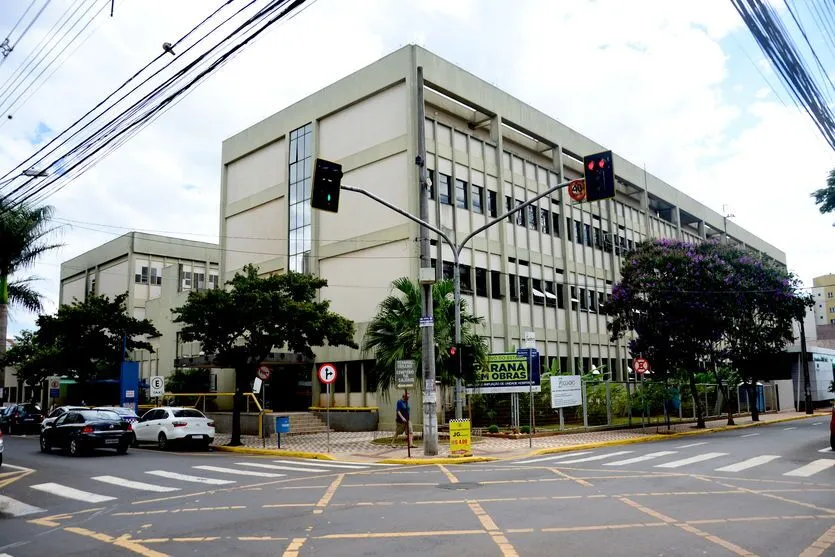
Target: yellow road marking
x=489 y=524
x=14 y=476
x=450 y=476
x=53 y=521
x=730 y=546
x=235 y=488
x=294 y=547
x=399 y=484
x=758 y=518
x=399 y=534
x=282 y=505
x=185 y=510
x=647 y=510
x=123 y=541
x=482 y=516
x=562 y=474
x=604 y=527
x=821 y=544
x=326 y=498
x=260 y=539
x=779 y=498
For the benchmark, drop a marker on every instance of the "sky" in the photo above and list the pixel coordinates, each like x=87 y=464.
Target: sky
x=679 y=87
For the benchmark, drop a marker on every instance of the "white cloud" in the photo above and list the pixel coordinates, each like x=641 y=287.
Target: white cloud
x=649 y=79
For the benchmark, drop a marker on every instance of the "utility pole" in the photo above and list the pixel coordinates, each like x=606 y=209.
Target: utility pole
x=725 y=217
x=427 y=278
x=807 y=386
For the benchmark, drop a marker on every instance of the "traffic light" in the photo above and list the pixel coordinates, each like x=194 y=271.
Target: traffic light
x=453 y=362
x=327 y=177
x=600 y=176
x=467 y=358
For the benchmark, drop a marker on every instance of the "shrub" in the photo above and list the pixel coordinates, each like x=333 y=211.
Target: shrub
x=525 y=429
x=493 y=428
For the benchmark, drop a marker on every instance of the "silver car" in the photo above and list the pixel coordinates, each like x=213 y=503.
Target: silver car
x=58 y=412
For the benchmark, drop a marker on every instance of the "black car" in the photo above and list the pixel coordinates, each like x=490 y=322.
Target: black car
x=22 y=418
x=82 y=430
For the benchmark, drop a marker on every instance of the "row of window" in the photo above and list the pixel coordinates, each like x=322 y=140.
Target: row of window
x=467 y=196
x=523 y=289
x=148 y=275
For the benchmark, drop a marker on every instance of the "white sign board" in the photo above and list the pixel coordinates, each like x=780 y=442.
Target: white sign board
x=530 y=340
x=54 y=382
x=404 y=373
x=566 y=390
x=157 y=386
x=256 y=385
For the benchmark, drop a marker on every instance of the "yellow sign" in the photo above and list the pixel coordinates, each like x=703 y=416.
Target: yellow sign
x=459 y=438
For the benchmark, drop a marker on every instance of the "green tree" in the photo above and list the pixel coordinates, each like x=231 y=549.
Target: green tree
x=395 y=333
x=24 y=236
x=825 y=197
x=83 y=340
x=241 y=325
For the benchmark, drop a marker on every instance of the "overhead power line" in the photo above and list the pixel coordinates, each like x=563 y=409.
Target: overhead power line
x=8 y=45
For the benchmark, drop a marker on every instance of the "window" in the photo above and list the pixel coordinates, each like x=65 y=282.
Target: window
x=478 y=198
x=156 y=276
x=545 y=221
x=495 y=285
x=832 y=321
x=513 y=294
x=569 y=229
x=466 y=278
x=491 y=203
x=460 y=194
x=444 y=189
x=832 y=310
x=598 y=238
x=188 y=413
x=185 y=278
x=555 y=220
x=520 y=215
x=142 y=276
x=532 y=218
x=593 y=300
x=587 y=230
x=480 y=281
x=538 y=294
x=214 y=281
x=431 y=174
x=550 y=296
x=200 y=281
x=829 y=294
x=301 y=162
x=578 y=227
x=524 y=290
x=584 y=300
x=574 y=299
x=448 y=270
x=92 y=289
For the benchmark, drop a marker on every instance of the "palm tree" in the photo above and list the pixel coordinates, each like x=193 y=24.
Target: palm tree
x=24 y=237
x=395 y=334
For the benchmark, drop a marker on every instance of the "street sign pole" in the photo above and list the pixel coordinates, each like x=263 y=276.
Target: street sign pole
x=328 y=415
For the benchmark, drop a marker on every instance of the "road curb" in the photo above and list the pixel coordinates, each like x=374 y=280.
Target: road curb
x=439 y=460
x=661 y=437
x=271 y=452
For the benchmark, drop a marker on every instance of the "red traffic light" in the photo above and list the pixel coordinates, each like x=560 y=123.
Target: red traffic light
x=452 y=350
x=591 y=165
x=601 y=163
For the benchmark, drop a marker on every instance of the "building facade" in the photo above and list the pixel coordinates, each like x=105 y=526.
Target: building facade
x=545 y=270
x=156 y=272
x=823 y=292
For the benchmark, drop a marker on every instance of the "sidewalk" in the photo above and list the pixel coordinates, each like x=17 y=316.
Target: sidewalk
x=360 y=445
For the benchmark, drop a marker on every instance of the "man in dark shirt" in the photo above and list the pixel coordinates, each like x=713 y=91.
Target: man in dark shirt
x=404 y=424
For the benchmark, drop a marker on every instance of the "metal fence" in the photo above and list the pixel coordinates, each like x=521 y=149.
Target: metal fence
x=614 y=404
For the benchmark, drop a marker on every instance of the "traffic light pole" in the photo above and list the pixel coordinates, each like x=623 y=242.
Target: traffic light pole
x=456 y=254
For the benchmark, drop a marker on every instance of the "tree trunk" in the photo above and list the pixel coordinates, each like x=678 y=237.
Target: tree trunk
x=237 y=406
x=700 y=412
x=752 y=401
x=726 y=392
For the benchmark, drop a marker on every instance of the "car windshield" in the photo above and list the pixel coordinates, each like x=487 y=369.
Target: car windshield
x=99 y=415
x=118 y=410
x=188 y=413
x=29 y=408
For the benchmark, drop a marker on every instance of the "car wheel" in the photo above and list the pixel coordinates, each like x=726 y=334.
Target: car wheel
x=122 y=449
x=75 y=447
x=45 y=447
x=1 y=459
x=162 y=442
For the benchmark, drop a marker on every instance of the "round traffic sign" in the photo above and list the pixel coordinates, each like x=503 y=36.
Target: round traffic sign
x=327 y=373
x=264 y=373
x=54 y=383
x=157 y=382
x=640 y=365
x=577 y=190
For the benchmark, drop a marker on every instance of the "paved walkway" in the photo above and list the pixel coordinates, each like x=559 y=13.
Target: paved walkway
x=361 y=446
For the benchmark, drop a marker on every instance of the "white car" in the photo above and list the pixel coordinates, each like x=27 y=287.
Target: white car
x=174 y=424
x=57 y=413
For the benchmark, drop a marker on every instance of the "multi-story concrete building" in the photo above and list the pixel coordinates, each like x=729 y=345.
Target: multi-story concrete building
x=545 y=270
x=139 y=263
x=823 y=292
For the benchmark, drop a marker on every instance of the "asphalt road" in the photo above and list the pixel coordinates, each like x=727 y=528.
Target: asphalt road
x=761 y=491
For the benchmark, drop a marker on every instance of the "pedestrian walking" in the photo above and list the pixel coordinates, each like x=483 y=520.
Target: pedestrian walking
x=404 y=424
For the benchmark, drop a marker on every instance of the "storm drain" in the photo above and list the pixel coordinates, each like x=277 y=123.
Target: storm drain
x=461 y=486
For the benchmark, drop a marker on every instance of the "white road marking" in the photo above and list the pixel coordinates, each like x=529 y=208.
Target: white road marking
x=812 y=468
x=692 y=460
x=826 y=450
x=818 y=423
x=749 y=463
x=633 y=460
x=355 y=463
x=122 y=482
x=788 y=428
x=749 y=435
x=277 y=467
x=21 y=468
x=16 y=508
x=72 y=493
x=592 y=458
x=239 y=472
x=187 y=478
x=691 y=445
x=547 y=458
x=326 y=463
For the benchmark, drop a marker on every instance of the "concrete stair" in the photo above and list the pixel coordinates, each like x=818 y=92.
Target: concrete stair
x=304 y=423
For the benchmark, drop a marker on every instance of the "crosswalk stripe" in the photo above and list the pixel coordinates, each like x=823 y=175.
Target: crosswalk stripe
x=72 y=493
x=548 y=458
x=321 y=463
x=17 y=508
x=593 y=458
x=187 y=478
x=690 y=460
x=277 y=467
x=633 y=460
x=812 y=468
x=788 y=428
x=122 y=482
x=749 y=463
x=239 y=472
x=21 y=468
x=381 y=464
x=691 y=445
x=826 y=450
x=749 y=435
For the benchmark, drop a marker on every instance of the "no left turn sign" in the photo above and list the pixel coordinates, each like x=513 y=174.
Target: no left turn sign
x=327 y=373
